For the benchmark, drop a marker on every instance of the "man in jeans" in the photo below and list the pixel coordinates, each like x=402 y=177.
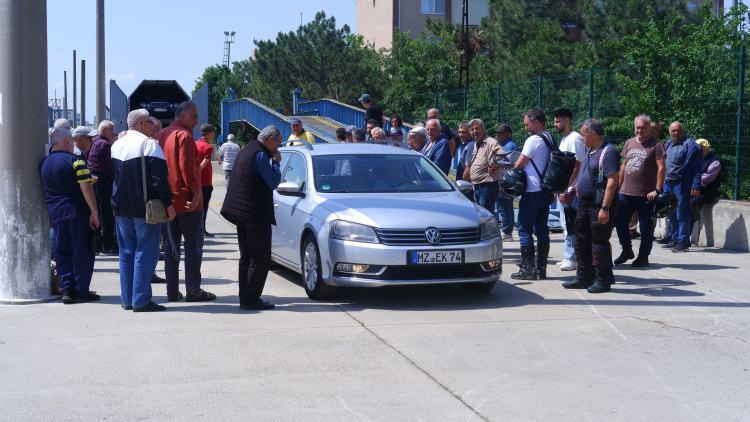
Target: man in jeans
x=483 y=174
x=205 y=153
x=533 y=209
x=138 y=240
x=181 y=153
x=684 y=161
x=571 y=141
x=641 y=180
x=504 y=136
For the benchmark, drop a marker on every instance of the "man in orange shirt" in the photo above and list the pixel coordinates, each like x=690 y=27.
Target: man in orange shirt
x=205 y=152
x=181 y=155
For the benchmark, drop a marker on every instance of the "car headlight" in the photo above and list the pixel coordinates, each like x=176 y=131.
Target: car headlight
x=346 y=230
x=489 y=229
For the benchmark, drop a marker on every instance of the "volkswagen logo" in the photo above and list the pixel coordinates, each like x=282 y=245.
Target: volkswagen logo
x=432 y=235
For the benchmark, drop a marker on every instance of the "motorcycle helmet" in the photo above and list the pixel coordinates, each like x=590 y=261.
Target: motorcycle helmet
x=665 y=204
x=513 y=183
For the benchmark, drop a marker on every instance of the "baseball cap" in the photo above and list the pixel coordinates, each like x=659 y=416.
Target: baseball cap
x=351 y=129
x=364 y=98
x=84 y=131
x=704 y=143
x=395 y=131
x=295 y=121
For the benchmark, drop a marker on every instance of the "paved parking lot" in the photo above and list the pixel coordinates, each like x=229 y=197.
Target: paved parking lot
x=669 y=343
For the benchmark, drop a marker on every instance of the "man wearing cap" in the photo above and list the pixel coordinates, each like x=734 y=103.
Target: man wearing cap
x=710 y=179
x=417 y=139
x=227 y=154
x=82 y=137
x=100 y=165
x=396 y=135
x=684 y=161
x=71 y=204
x=299 y=133
x=205 y=153
x=504 y=136
x=372 y=110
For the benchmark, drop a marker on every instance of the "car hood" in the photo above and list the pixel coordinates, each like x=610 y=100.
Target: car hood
x=406 y=210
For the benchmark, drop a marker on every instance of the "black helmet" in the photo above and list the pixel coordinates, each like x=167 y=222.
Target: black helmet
x=665 y=204
x=513 y=183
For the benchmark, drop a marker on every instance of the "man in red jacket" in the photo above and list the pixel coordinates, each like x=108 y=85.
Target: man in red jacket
x=205 y=152
x=181 y=154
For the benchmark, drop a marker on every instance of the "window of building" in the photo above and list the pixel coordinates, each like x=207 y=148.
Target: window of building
x=433 y=7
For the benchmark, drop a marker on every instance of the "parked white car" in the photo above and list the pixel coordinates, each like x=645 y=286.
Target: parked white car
x=374 y=215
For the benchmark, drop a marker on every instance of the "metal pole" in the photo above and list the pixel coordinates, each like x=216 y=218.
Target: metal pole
x=75 y=89
x=24 y=226
x=65 y=94
x=83 y=92
x=100 y=61
x=591 y=92
x=738 y=129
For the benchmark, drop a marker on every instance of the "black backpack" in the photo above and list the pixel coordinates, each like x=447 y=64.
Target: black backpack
x=560 y=165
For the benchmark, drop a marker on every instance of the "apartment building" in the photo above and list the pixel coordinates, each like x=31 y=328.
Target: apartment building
x=377 y=20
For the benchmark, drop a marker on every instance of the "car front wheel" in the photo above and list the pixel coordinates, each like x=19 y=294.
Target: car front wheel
x=312 y=279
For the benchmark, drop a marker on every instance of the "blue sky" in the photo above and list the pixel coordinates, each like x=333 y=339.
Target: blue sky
x=166 y=39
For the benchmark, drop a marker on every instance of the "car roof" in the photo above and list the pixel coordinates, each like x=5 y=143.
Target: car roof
x=349 y=148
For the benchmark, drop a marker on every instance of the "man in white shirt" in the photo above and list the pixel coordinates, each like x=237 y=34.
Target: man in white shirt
x=533 y=209
x=571 y=141
x=227 y=153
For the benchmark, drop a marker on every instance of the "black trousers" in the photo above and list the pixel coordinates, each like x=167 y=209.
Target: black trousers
x=103 y=192
x=593 y=249
x=255 y=259
x=186 y=225
x=207 y=191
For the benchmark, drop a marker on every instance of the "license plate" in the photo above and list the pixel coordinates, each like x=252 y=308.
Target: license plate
x=436 y=257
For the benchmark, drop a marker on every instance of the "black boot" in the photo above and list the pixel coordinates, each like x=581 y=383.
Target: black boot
x=625 y=255
x=584 y=278
x=600 y=286
x=540 y=270
x=526 y=267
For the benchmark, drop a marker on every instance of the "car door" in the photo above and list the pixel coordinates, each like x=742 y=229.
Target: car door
x=291 y=212
x=275 y=235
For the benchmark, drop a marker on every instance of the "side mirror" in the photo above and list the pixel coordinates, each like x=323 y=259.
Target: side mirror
x=464 y=186
x=290 y=189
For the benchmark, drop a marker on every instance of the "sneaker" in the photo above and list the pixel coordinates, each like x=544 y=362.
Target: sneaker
x=507 y=237
x=68 y=298
x=258 y=305
x=568 y=265
x=681 y=247
x=150 y=307
x=88 y=296
x=641 y=261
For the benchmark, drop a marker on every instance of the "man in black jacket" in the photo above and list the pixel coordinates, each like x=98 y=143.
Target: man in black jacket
x=249 y=205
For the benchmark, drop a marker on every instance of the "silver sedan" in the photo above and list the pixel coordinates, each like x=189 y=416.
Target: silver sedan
x=374 y=215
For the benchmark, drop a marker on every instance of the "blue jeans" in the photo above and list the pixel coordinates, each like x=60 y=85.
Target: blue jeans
x=504 y=207
x=73 y=254
x=626 y=205
x=485 y=195
x=679 y=224
x=533 y=213
x=139 y=253
x=568 y=222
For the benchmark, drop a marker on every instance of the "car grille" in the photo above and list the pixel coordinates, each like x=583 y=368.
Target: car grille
x=416 y=237
x=435 y=272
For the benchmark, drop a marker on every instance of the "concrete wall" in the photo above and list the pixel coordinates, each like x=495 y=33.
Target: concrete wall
x=375 y=21
x=724 y=225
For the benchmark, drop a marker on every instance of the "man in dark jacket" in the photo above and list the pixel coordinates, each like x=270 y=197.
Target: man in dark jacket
x=101 y=167
x=711 y=179
x=438 y=149
x=684 y=160
x=249 y=205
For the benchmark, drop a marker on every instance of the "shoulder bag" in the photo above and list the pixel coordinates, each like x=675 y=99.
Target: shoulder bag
x=156 y=212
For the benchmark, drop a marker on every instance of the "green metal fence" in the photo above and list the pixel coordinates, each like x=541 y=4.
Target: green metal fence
x=723 y=119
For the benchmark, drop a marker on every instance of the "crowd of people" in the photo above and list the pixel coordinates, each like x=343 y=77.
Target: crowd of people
x=98 y=187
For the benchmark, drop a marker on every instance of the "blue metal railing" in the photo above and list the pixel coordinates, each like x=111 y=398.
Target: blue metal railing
x=259 y=116
x=340 y=112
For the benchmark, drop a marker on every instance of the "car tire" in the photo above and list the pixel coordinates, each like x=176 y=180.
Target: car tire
x=312 y=278
x=478 y=287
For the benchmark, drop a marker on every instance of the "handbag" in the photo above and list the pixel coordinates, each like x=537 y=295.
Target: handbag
x=156 y=212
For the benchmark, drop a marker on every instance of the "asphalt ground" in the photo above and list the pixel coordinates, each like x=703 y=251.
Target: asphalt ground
x=671 y=342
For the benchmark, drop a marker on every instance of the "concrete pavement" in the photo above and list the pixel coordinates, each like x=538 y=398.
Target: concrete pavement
x=669 y=343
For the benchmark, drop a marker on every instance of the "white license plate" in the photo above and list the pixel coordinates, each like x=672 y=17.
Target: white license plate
x=436 y=257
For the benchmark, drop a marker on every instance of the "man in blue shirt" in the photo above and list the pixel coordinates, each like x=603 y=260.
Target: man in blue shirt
x=504 y=135
x=73 y=212
x=684 y=160
x=249 y=205
x=438 y=148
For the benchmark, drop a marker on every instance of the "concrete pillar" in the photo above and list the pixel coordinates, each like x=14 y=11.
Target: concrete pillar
x=100 y=102
x=24 y=226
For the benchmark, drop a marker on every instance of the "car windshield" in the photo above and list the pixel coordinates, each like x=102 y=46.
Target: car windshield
x=377 y=173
